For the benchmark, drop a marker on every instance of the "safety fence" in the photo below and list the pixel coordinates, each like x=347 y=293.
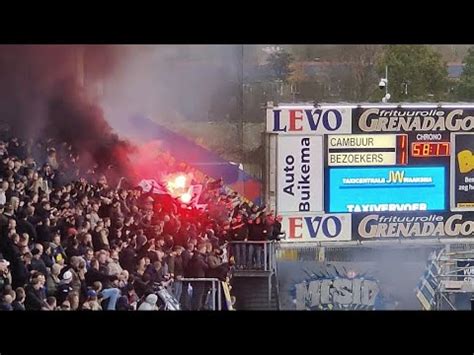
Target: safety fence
x=253 y=255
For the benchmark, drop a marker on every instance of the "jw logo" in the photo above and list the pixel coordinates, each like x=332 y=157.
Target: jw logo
x=395 y=177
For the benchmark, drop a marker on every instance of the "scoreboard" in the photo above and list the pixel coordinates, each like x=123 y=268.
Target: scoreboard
x=380 y=161
x=430 y=149
x=367 y=150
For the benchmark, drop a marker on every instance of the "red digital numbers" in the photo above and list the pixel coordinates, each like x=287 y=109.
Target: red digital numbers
x=430 y=149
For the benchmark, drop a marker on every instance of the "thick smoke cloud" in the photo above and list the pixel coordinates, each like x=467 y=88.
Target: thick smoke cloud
x=174 y=83
x=86 y=94
x=42 y=95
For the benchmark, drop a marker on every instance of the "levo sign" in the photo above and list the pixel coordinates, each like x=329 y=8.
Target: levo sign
x=317 y=227
x=308 y=119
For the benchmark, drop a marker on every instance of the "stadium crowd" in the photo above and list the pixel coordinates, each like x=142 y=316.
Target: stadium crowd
x=70 y=240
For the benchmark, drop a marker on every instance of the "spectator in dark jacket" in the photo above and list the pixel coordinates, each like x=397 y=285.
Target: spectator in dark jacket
x=187 y=254
x=258 y=233
x=47 y=256
x=35 y=297
x=197 y=268
x=155 y=271
x=127 y=258
x=94 y=274
x=18 y=303
x=240 y=233
x=108 y=292
x=19 y=271
x=217 y=268
x=277 y=232
x=176 y=270
x=23 y=226
x=37 y=263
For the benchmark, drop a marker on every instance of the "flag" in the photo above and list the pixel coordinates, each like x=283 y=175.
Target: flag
x=151 y=185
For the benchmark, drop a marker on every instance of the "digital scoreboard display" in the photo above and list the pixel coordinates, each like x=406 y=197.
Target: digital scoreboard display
x=387 y=172
x=430 y=149
x=372 y=189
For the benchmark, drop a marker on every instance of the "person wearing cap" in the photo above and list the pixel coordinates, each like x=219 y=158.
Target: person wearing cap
x=64 y=287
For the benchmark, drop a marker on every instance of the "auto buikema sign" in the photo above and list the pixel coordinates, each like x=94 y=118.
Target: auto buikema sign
x=413 y=225
x=300 y=174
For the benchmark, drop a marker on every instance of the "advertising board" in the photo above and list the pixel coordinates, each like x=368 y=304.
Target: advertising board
x=353 y=160
x=386 y=189
x=287 y=120
x=300 y=174
x=412 y=119
x=462 y=172
x=403 y=225
x=317 y=227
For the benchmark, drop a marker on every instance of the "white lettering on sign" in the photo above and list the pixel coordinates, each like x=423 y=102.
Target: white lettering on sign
x=335 y=292
x=376 y=226
x=378 y=120
x=387 y=207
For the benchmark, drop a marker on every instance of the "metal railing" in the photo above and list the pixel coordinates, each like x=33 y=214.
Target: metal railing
x=216 y=302
x=268 y=262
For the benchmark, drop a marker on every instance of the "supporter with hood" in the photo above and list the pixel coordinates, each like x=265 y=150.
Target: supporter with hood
x=150 y=303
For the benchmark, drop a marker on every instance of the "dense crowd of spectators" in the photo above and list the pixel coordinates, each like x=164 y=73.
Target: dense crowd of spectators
x=70 y=241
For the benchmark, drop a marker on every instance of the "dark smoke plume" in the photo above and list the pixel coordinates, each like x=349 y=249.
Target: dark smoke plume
x=43 y=95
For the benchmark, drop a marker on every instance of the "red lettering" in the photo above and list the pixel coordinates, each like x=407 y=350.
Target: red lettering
x=293 y=119
x=293 y=226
